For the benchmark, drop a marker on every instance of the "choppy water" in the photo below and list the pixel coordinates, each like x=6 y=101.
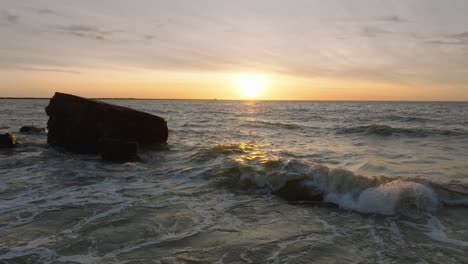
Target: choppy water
x=395 y=178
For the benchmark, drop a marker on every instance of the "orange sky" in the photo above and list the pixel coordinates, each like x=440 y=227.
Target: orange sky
x=305 y=50
x=210 y=85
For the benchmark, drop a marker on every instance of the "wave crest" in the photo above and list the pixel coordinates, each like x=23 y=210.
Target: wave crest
x=386 y=130
x=261 y=123
x=379 y=194
x=396 y=197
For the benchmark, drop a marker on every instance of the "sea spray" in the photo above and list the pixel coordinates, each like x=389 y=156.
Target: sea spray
x=378 y=194
x=396 y=197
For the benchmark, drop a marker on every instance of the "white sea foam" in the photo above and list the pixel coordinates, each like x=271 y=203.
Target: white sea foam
x=437 y=231
x=35 y=247
x=407 y=198
x=349 y=191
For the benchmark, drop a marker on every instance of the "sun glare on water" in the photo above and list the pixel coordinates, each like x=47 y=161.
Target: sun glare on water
x=251 y=84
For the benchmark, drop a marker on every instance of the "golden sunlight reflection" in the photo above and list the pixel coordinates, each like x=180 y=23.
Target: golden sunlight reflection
x=254 y=153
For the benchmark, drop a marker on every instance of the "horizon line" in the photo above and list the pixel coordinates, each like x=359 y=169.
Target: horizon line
x=246 y=100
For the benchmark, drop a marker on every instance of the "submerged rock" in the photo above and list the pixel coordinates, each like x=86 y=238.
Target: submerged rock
x=79 y=125
x=118 y=150
x=33 y=130
x=7 y=140
x=299 y=190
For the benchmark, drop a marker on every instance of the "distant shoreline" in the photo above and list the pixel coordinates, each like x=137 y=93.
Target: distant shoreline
x=241 y=100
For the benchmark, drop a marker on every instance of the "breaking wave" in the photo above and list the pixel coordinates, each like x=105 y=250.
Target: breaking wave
x=244 y=165
x=352 y=192
x=408 y=119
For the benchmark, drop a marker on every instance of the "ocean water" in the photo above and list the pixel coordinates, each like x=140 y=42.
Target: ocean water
x=394 y=177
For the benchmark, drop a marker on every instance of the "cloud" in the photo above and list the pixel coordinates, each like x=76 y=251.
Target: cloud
x=373 y=32
x=446 y=42
x=452 y=39
x=80 y=28
x=86 y=31
x=46 y=11
x=393 y=18
x=8 y=63
x=10 y=18
x=46 y=70
x=459 y=36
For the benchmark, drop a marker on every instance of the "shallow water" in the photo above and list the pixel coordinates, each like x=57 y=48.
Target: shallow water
x=394 y=177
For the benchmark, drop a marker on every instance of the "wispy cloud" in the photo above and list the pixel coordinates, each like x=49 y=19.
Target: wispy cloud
x=46 y=11
x=46 y=70
x=148 y=37
x=393 y=18
x=7 y=63
x=9 y=17
x=460 y=36
x=446 y=42
x=452 y=39
x=373 y=31
x=86 y=31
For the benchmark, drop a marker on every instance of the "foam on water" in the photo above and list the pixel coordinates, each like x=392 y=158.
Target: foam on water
x=405 y=198
x=32 y=248
x=381 y=195
x=437 y=231
x=210 y=194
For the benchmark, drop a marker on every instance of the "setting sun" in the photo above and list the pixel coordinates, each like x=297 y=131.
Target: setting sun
x=314 y=124
x=251 y=84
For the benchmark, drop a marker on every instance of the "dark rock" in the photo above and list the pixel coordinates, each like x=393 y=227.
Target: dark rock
x=7 y=140
x=78 y=124
x=299 y=191
x=118 y=150
x=33 y=130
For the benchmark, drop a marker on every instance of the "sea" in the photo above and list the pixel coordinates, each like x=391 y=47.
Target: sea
x=394 y=178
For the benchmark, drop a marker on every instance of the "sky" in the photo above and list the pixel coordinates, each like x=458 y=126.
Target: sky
x=185 y=49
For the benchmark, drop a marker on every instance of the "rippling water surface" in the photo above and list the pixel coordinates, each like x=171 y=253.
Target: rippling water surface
x=394 y=178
